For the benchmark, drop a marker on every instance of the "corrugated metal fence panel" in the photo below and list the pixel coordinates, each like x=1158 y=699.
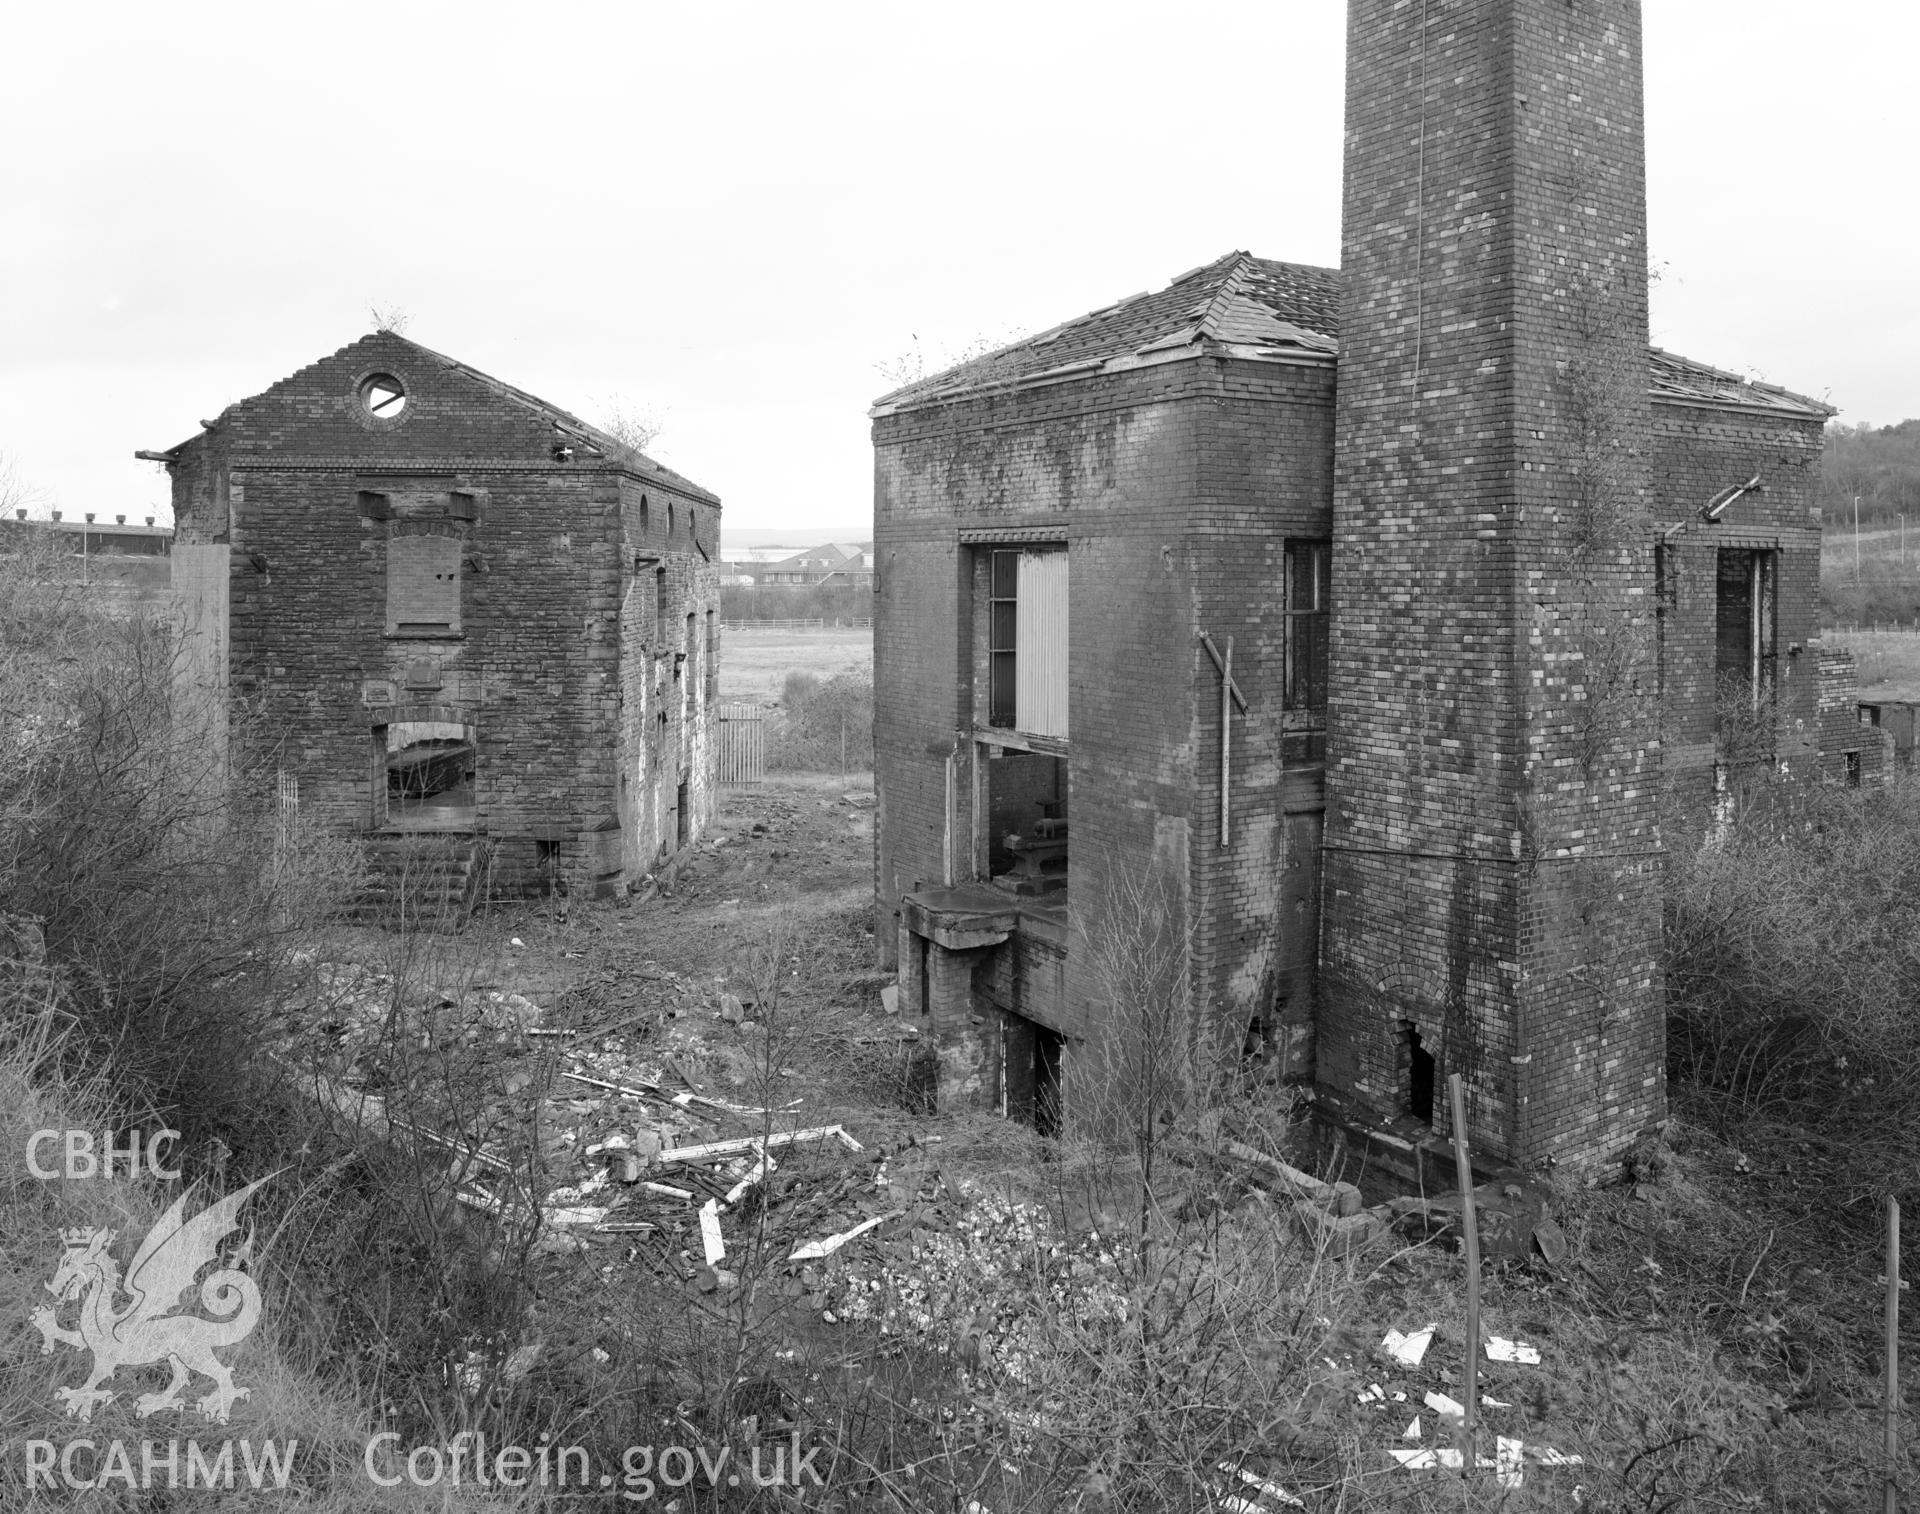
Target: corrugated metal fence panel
x=743 y=744
x=1040 y=637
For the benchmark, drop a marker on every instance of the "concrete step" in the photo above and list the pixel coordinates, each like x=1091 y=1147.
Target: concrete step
x=423 y=881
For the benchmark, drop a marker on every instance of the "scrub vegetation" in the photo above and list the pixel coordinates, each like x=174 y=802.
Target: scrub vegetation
x=1125 y=1317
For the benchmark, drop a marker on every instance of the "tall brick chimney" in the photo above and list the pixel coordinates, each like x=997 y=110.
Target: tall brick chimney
x=1492 y=864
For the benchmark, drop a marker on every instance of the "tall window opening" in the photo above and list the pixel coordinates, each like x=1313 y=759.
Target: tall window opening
x=660 y=607
x=1309 y=607
x=1027 y=640
x=1745 y=667
x=1665 y=602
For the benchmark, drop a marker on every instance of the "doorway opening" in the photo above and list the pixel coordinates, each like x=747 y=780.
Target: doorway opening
x=1418 y=1067
x=424 y=776
x=1030 y=1073
x=1026 y=820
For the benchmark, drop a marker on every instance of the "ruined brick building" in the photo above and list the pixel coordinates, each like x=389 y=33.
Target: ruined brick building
x=469 y=625
x=1371 y=617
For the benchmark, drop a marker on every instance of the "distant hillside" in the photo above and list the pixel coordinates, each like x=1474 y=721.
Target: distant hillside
x=1880 y=466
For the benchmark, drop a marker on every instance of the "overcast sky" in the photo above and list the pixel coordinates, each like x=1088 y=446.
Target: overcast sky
x=742 y=218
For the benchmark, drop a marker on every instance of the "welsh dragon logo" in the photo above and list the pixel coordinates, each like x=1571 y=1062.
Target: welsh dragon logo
x=146 y=1329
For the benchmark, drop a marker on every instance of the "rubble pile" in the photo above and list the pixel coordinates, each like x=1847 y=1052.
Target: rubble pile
x=976 y=1275
x=562 y=1127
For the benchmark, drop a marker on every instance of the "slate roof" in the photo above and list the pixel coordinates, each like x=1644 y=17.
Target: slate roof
x=1680 y=378
x=1255 y=307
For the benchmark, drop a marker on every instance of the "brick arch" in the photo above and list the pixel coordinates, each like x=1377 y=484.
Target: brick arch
x=1412 y=994
x=403 y=714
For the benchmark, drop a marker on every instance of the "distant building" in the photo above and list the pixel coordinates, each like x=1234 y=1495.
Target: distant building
x=834 y=565
x=93 y=538
x=471 y=622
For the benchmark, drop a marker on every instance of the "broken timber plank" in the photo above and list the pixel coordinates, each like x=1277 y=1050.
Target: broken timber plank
x=1304 y=1183
x=710 y=1237
x=747 y=1145
x=655 y=1091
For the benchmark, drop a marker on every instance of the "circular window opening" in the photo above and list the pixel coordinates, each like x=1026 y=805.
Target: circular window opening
x=384 y=396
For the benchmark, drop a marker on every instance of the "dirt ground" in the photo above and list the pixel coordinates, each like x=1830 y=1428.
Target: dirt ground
x=754 y=664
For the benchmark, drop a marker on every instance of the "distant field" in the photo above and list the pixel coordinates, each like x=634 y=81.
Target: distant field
x=754 y=664
x=1889 y=661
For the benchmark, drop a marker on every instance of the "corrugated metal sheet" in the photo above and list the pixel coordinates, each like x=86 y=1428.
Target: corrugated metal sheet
x=1040 y=687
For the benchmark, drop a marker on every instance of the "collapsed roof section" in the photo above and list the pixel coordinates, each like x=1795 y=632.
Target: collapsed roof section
x=1244 y=306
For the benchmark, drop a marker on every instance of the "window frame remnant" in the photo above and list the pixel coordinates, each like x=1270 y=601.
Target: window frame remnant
x=1028 y=637
x=1308 y=610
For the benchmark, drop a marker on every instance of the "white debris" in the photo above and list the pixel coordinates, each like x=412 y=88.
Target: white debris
x=1509 y=1463
x=710 y=1232
x=1502 y=1350
x=813 y=1250
x=1409 y=1349
x=1412 y=1431
x=578 y=1191
x=1442 y=1405
x=755 y=1174
x=1372 y=1393
x=1270 y=1489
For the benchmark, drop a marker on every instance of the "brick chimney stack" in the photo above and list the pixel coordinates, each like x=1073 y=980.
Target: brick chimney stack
x=1492 y=883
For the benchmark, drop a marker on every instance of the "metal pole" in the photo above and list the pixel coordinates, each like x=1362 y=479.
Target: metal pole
x=1891 y=1501
x=1463 y=1167
x=1856 y=539
x=1226 y=746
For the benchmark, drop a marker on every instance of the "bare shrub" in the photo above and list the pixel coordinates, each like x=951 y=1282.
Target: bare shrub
x=824 y=725
x=168 y=884
x=1793 y=951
